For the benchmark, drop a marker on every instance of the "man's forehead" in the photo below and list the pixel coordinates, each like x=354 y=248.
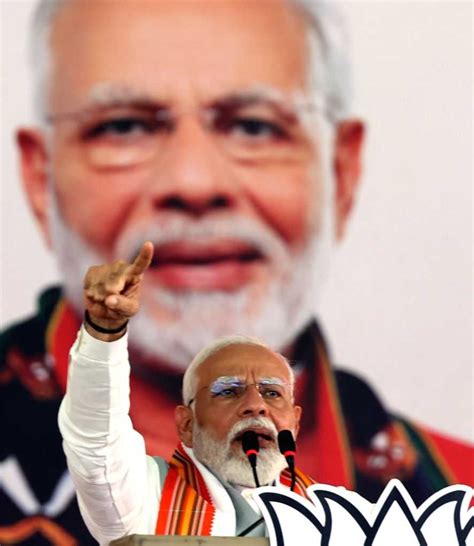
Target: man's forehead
x=113 y=95
x=241 y=360
x=200 y=43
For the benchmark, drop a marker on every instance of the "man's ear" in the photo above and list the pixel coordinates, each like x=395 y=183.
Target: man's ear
x=34 y=163
x=297 y=410
x=184 y=418
x=349 y=141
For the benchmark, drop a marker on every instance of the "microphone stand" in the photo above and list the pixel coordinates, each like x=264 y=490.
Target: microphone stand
x=287 y=446
x=251 y=527
x=251 y=448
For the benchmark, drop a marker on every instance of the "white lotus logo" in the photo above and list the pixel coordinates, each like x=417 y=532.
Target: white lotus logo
x=338 y=517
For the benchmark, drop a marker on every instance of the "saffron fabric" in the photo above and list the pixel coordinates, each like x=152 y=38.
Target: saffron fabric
x=187 y=508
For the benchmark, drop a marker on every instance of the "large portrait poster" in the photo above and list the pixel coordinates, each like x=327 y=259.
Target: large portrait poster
x=399 y=293
x=314 y=191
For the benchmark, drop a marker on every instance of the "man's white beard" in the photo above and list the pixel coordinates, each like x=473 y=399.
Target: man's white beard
x=276 y=314
x=234 y=468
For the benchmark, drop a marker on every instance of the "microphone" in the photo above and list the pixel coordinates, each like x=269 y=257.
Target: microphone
x=287 y=446
x=251 y=448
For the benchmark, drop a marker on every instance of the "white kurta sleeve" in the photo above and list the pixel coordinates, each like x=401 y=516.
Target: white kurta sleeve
x=118 y=485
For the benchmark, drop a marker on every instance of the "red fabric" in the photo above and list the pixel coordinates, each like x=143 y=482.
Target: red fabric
x=459 y=454
x=60 y=337
x=324 y=453
x=193 y=476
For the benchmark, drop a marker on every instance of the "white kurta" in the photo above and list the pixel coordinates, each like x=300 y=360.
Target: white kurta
x=118 y=485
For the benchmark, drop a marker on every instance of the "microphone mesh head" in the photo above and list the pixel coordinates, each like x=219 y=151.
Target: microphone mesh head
x=286 y=442
x=250 y=442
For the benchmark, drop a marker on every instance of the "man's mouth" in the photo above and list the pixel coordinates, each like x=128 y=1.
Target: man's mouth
x=265 y=436
x=220 y=264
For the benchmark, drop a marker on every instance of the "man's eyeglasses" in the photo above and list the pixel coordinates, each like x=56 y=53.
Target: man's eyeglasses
x=273 y=390
x=248 y=130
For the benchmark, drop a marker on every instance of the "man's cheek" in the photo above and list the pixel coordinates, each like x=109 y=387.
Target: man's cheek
x=285 y=201
x=96 y=208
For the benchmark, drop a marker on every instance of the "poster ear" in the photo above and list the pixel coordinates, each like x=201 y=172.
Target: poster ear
x=297 y=413
x=34 y=162
x=349 y=142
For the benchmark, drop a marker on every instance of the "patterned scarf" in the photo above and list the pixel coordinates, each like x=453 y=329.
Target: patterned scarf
x=186 y=507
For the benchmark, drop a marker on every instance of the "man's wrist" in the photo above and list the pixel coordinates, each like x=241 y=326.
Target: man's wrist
x=101 y=349
x=102 y=333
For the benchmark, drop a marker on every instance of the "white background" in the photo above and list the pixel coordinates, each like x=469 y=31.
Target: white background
x=398 y=305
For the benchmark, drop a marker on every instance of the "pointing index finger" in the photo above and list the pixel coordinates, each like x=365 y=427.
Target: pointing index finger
x=143 y=259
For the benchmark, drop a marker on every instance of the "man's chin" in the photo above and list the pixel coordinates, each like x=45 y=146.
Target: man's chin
x=174 y=326
x=239 y=471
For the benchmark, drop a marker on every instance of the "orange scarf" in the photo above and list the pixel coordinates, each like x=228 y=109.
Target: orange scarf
x=186 y=507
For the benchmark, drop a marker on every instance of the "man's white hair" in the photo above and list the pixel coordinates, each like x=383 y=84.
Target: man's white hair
x=329 y=68
x=190 y=381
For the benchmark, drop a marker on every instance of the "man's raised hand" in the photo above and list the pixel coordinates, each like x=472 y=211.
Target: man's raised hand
x=112 y=292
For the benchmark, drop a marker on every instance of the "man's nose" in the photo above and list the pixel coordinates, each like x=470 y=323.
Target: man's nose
x=252 y=403
x=193 y=175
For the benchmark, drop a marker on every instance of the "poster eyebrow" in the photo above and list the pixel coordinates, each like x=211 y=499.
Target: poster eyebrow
x=267 y=97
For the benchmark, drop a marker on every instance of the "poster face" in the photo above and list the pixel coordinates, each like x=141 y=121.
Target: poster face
x=402 y=276
x=277 y=189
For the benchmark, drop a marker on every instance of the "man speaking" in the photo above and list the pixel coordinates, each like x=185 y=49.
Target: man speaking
x=222 y=132
x=236 y=391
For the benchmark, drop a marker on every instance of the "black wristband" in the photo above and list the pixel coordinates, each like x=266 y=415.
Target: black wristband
x=87 y=318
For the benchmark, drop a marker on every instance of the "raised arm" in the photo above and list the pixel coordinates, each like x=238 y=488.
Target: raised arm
x=117 y=484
